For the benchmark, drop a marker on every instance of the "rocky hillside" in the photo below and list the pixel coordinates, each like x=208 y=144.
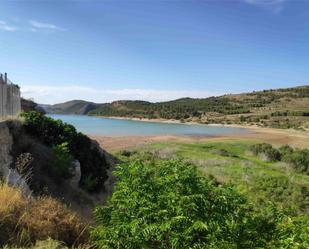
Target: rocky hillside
x=43 y=156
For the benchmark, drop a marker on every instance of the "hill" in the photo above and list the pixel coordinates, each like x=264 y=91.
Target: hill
x=29 y=105
x=71 y=107
x=279 y=108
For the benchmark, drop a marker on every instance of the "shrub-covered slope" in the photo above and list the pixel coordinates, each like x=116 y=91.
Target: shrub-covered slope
x=280 y=108
x=67 y=144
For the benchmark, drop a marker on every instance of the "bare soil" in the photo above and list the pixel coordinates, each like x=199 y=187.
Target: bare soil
x=276 y=137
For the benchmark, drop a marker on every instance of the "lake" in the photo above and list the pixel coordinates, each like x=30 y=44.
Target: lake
x=119 y=127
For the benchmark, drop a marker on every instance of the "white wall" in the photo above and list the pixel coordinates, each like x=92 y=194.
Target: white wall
x=10 y=103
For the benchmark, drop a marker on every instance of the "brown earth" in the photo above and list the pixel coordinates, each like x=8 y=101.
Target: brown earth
x=294 y=138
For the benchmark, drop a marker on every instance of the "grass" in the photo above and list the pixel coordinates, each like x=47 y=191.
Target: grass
x=26 y=221
x=231 y=162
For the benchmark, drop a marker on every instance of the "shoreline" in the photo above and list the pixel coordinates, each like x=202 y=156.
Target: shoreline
x=275 y=137
x=174 y=121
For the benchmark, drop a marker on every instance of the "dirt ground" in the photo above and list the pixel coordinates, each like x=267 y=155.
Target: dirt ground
x=294 y=138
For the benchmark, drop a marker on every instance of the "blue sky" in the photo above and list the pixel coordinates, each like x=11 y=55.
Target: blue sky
x=153 y=50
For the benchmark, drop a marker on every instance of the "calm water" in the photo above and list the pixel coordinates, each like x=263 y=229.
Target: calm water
x=117 y=127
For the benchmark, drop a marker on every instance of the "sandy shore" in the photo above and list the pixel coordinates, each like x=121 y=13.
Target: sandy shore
x=294 y=138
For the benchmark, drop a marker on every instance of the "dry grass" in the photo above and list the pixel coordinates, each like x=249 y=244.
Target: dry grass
x=24 y=221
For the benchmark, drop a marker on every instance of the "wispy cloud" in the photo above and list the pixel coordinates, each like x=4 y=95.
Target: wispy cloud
x=32 y=25
x=275 y=6
x=7 y=27
x=36 y=26
x=52 y=95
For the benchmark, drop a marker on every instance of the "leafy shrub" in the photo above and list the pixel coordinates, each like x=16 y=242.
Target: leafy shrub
x=271 y=153
x=127 y=153
x=63 y=166
x=292 y=233
x=55 y=132
x=280 y=189
x=89 y=183
x=167 y=204
x=285 y=150
x=299 y=159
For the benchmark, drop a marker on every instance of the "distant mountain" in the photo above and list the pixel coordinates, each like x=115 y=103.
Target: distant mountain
x=29 y=105
x=71 y=107
x=282 y=108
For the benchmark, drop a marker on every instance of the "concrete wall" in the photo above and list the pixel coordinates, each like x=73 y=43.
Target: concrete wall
x=10 y=103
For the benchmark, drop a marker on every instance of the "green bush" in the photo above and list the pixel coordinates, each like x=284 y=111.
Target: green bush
x=287 y=194
x=63 y=165
x=167 y=204
x=292 y=233
x=298 y=158
x=271 y=153
x=89 y=183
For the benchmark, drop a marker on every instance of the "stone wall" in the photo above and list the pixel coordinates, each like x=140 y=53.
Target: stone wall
x=10 y=102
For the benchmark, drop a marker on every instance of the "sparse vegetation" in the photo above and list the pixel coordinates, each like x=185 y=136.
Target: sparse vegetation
x=23 y=221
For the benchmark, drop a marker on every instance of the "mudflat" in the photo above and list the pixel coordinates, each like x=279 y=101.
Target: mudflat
x=294 y=138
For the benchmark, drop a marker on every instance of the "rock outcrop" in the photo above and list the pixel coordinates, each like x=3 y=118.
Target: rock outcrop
x=18 y=148
x=6 y=160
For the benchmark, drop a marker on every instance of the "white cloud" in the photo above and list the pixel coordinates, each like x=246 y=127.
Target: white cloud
x=6 y=27
x=31 y=26
x=52 y=95
x=36 y=25
x=275 y=6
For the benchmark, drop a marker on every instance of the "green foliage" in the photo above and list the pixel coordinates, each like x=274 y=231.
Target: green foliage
x=168 y=204
x=64 y=164
x=291 y=197
x=271 y=153
x=298 y=158
x=89 y=183
x=55 y=133
x=230 y=162
x=292 y=233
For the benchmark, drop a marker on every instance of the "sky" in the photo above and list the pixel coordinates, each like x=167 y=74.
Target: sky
x=152 y=50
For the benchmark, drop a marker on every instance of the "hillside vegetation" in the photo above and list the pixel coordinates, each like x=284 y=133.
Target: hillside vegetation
x=170 y=204
x=206 y=195
x=249 y=166
x=279 y=108
x=67 y=144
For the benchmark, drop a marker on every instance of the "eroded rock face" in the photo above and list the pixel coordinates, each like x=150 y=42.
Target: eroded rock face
x=9 y=174
x=5 y=147
x=20 y=151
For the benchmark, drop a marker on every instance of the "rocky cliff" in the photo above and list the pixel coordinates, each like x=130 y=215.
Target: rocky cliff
x=25 y=162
